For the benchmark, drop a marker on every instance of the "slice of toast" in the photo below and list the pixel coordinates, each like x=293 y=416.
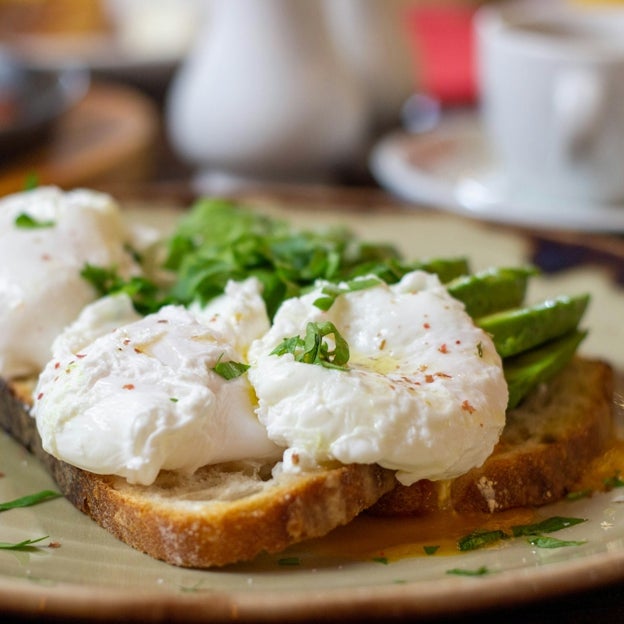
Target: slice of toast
x=219 y=515
x=228 y=513
x=547 y=444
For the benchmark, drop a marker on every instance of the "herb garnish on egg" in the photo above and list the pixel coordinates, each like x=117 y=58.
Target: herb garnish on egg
x=313 y=349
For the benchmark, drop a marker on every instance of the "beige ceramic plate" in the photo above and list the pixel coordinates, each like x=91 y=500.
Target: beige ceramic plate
x=90 y=574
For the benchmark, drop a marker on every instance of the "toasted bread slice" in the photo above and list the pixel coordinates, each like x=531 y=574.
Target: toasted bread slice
x=228 y=513
x=219 y=515
x=547 y=443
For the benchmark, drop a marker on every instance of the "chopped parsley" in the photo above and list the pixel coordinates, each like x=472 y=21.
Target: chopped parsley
x=31 y=181
x=28 y=222
x=30 y=499
x=545 y=541
x=579 y=494
x=331 y=292
x=615 y=481
x=145 y=294
x=550 y=525
x=23 y=545
x=481 y=571
x=230 y=370
x=219 y=240
x=480 y=538
x=431 y=550
x=314 y=349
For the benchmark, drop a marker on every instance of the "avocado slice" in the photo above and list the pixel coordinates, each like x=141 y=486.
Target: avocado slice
x=527 y=370
x=521 y=329
x=490 y=291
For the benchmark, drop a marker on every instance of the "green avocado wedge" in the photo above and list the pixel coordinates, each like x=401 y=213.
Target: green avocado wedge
x=493 y=290
x=527 y=370
x=521 y=329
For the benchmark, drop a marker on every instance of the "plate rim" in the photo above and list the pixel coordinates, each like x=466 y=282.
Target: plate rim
x=471 y=595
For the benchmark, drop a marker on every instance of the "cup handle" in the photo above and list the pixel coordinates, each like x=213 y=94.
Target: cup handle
x=579 y=103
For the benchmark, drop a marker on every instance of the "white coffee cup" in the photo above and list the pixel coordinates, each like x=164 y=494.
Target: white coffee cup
x=551 y=77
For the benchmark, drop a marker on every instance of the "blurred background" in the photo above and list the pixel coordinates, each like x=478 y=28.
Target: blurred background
x=216 y=93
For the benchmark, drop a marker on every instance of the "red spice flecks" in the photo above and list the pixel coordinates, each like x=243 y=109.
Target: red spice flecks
x=426 y=326
x=81 y=355
x=128 y=386
x=443 y=375
x=137 y=350
x=467 y=407
x=54 y=545
x=40 y=396
x=443 y=348
x=162 y=321
x=2 y=475
x=429 y=378
x=46 y=257
x=57 y=365
x=458 y=342
x=126 y=341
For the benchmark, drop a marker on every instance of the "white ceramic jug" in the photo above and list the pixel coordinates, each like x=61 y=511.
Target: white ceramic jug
x=264 y=96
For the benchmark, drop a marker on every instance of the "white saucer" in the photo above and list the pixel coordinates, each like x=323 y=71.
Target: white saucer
x=452 y=168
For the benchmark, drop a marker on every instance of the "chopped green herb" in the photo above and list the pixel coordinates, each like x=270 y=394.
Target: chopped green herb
x=145 y=294
x=27 y=222
x=314 y=349
x=543 y=541
x=480 y=538
x=230 y=370
x=550 y=525
x=615 y=481
x=29 y=500
x=24 y=545
x=383 y=560
x=480 y=349
x=431 y=550
x=572 y=496
x=331 y=292
x=173 y=399
x=462 y=572
x=31 y=182
x=289 y=561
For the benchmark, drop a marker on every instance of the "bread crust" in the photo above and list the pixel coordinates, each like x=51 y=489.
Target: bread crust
x=219 y=515
x=547 y=444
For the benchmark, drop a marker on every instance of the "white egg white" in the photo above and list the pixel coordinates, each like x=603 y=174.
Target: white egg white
x=424 y=393
x=41 y=289
x=144 y=397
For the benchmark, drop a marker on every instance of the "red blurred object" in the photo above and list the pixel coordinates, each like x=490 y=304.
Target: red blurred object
x=442 y=41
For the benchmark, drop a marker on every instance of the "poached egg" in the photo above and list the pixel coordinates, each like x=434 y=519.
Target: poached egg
x=423 y=393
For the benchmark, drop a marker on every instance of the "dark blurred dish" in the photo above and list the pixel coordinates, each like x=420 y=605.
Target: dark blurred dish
x=32 y=99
